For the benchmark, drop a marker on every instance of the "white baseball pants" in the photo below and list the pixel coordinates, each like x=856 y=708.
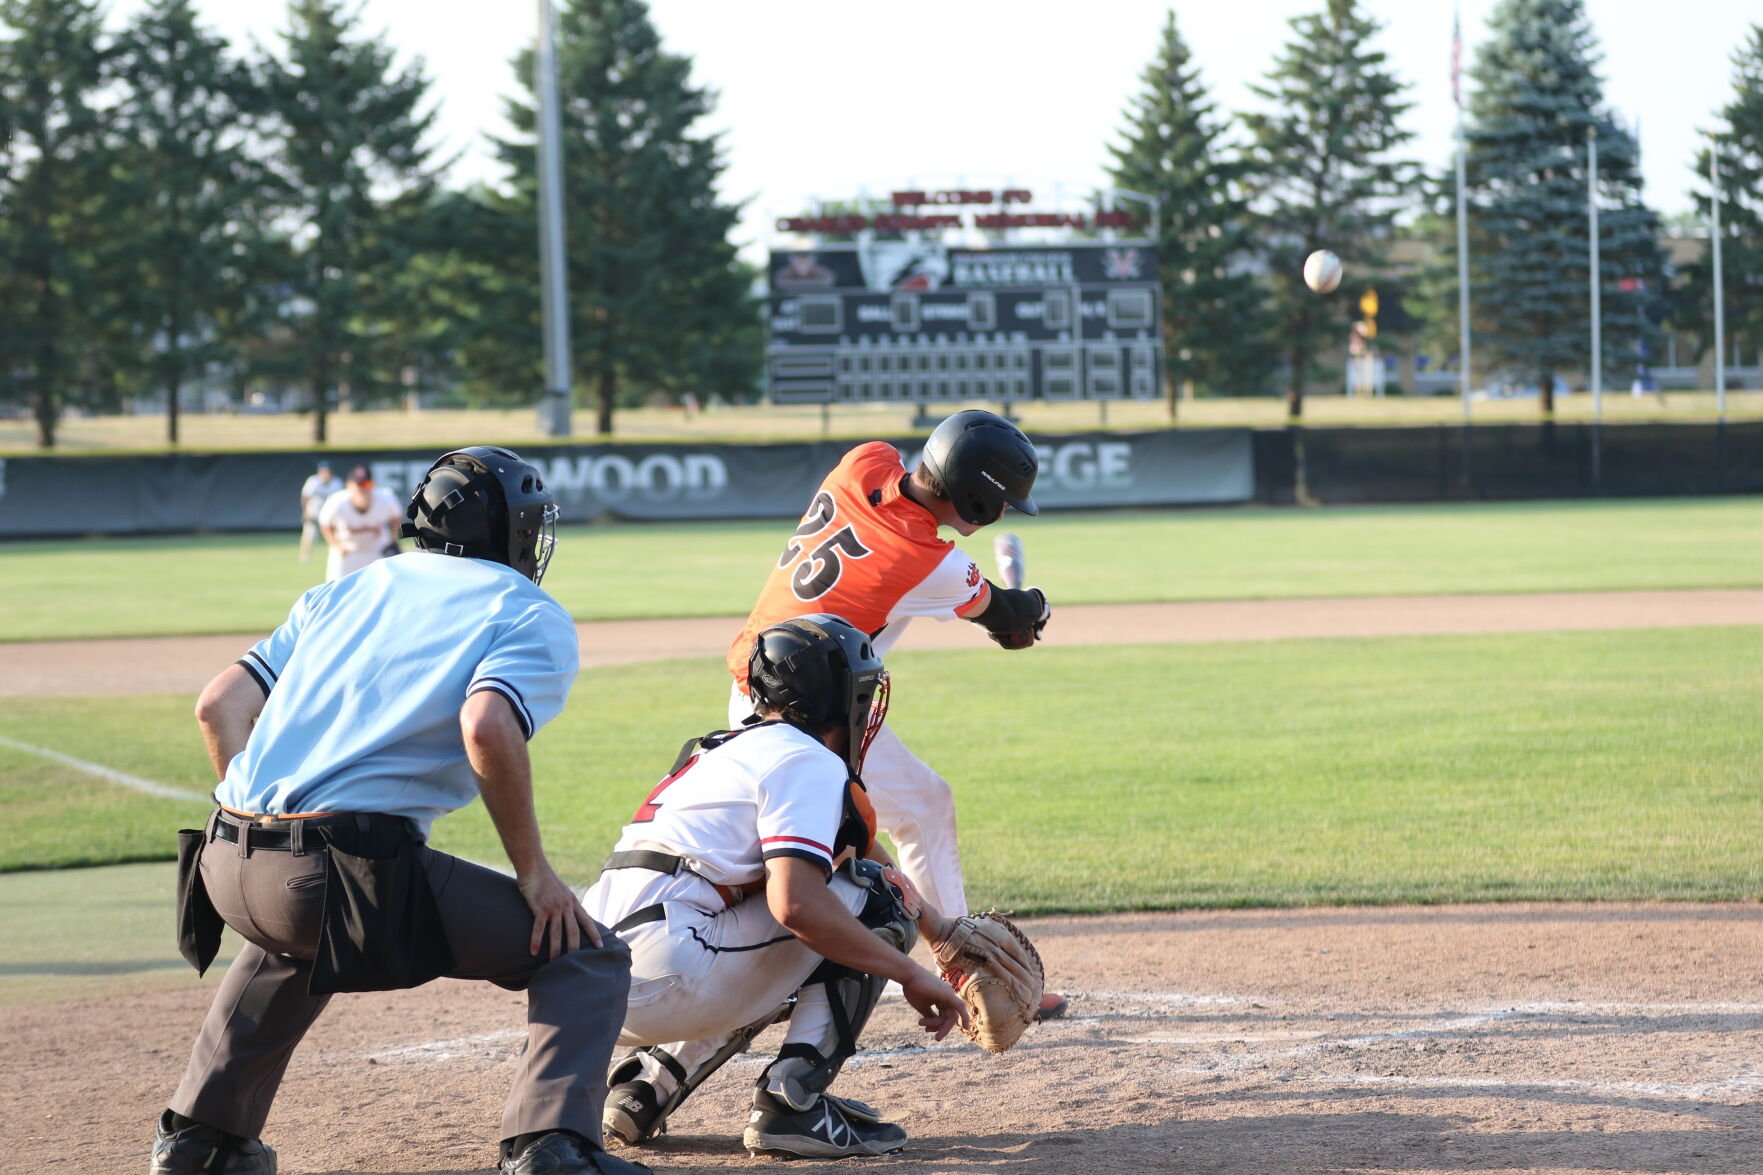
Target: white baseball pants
x=698 y=978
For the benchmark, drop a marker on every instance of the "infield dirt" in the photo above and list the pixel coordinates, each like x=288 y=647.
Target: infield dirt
x=1442 y=1039
x=184 y=664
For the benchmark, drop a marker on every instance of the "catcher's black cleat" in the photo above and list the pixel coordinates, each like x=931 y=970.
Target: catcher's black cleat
x=196 y=1149
x=832 y=1128
x=1053 y=1007
x=633 y=1113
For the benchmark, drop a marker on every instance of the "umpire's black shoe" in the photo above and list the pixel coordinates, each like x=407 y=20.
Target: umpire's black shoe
x=202 y=1150
x=832 y=1128
x=563 y=1153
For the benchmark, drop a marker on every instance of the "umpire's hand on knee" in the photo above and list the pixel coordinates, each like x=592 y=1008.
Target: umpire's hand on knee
x=557 y=916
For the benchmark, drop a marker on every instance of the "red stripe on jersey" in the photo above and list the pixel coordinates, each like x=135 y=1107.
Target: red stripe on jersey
x=982 y=600
x=798 y=840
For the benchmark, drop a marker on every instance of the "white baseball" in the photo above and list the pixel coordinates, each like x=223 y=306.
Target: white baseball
x=1322 y=271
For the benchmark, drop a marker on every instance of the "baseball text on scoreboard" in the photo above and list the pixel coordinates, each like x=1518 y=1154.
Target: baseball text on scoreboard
x=919 y=321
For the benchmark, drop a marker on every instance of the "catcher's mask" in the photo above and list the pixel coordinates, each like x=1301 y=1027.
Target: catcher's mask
x=820 y=671
x=983 y=463
x=485 y=503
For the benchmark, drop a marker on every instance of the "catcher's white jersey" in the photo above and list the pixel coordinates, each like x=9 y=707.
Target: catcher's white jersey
x=769 y=792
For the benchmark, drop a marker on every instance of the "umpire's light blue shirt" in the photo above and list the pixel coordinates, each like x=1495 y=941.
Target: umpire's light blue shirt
x=366 y=677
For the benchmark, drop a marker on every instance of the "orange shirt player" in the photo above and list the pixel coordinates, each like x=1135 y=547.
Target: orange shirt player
x=868 y=550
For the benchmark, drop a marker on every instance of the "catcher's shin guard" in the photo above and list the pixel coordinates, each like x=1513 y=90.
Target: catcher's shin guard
x=637 y=1108
x=803 y=1070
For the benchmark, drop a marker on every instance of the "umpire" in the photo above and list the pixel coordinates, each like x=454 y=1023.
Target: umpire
x=387 y=698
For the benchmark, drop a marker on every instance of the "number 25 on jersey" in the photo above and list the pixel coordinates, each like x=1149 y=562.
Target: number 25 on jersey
x=818 y=570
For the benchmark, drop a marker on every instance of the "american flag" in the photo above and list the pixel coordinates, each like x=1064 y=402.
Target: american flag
x=1456 y=57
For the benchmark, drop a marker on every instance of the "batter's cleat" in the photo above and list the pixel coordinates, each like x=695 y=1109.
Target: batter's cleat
x=202 y=1150
x=563 y=1153
x=633 y=1113
x=1053 y=1007
x=832 y=1128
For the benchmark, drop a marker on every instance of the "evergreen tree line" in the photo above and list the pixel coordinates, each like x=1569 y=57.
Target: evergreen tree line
x=174 y=213
x=1323 y=165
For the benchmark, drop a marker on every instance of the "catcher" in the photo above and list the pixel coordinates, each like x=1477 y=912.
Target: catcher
x=750 y=889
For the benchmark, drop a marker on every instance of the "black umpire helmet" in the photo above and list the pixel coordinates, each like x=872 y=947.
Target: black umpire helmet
x=820 y=671
x=485 y=503
x=982 y=463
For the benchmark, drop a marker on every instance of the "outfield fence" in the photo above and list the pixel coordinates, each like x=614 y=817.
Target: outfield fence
x=181 y=493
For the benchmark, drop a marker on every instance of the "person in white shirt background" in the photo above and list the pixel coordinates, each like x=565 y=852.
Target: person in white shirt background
x=360 y=524
x=314 y=491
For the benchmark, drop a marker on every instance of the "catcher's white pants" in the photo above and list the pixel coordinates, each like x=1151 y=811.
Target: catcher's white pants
x=697 y=978
x=913 y=804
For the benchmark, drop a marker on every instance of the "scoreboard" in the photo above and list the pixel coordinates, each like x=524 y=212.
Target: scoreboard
x=921 y=321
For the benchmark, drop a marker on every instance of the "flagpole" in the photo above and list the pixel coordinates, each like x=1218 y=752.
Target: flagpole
x=1591 y=203
x=1719 y=308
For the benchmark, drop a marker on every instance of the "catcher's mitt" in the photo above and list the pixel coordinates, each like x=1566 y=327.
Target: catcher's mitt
x=998 y=972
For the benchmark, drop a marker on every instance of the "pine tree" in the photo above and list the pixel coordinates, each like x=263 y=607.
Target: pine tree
x=1212 y=309
x=55 y=192
x=1537 y=93
x=351 y=155
x=192 y=184
x=1324 y=169
x=1741 y=213
x=658 y=299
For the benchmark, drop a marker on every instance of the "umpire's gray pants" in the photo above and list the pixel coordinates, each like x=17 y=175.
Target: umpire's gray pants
x=274 y=899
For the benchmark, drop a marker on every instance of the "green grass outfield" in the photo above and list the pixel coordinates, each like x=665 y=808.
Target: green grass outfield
x=1602 y=765
x=207 y=584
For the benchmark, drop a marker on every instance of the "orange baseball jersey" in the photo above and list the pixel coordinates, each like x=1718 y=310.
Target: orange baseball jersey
x=868 y=553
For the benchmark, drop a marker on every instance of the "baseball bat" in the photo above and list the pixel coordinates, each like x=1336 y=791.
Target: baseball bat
x=1007 y=551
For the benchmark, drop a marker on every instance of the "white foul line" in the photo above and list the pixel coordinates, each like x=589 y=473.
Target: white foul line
x=105 y=773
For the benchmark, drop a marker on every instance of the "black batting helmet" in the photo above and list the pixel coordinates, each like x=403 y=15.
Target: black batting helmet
x=983 y=463
x=485 y=503
x=821 y=671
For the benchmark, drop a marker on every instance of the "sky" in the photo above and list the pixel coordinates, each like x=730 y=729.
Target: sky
x=833 y=98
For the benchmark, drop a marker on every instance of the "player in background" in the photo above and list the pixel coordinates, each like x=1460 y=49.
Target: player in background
x=868 y=550
x=314 y=491
x=775 y=807
x=360 y=524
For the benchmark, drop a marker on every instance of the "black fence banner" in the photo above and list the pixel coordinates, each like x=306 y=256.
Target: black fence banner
x=180 y=493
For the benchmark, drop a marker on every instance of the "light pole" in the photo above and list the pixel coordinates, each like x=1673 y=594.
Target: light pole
x=553 y=264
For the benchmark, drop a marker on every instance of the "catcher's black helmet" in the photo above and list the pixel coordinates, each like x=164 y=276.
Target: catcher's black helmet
x=821 y=671
x=983 y=463
x=485 y=503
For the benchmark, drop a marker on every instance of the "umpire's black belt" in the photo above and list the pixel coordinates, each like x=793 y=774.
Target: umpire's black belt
x=288 y=835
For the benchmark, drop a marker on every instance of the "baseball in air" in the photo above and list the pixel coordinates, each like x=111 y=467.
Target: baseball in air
x=1322 y=271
